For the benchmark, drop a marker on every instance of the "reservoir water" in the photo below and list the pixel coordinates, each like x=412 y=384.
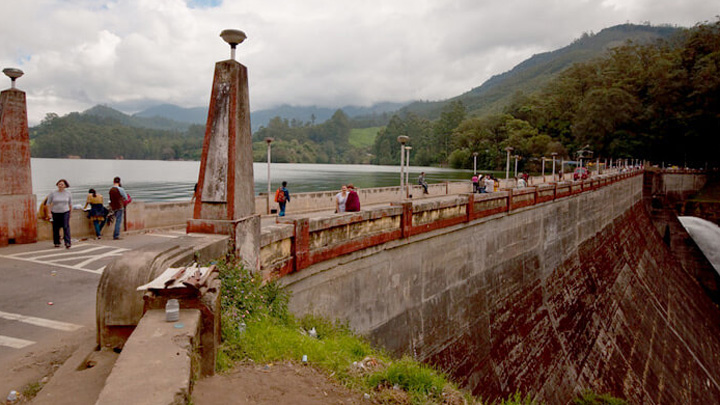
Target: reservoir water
x=156 y=180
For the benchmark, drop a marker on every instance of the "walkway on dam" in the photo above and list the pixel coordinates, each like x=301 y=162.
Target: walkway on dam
x=47 y=299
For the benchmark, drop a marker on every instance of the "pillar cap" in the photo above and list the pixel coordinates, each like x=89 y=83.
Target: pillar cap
x=13 y=73
x=233 y=37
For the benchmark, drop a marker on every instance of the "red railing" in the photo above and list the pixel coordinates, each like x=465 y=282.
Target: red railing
x=414 y=222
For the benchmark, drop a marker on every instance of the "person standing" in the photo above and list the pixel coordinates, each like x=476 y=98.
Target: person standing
x=423 y=183
x=341 y=199
x=489 y=184
x=521 y=182
x=475 y=183
x=282 y=197
x=353 y=200
x=97 y=211
x=118 y=197
x=60 y=203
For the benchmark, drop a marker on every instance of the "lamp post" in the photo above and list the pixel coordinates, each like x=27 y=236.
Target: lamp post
x=543 y=168
x=13 y=74
x=507 y=164
x=269 y=141
x=403 y=140
x=517 y=157
x=553 y=155
x=407 y=171
x=475 y=155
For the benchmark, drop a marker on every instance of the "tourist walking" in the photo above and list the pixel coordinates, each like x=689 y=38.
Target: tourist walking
x=118 y=201
x=60 y=203
x=282 y=197
x=341 y=199
x=353 y=200
x=97 y=212
x=423 y=183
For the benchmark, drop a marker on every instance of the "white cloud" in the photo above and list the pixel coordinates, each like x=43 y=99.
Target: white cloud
x=132 y=53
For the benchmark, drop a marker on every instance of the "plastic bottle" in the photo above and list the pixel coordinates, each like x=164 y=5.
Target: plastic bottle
x=12 y=397
x=172 y=310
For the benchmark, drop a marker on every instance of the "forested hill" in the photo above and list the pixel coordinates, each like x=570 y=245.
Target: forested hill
x=532 y=74
x=104 y=133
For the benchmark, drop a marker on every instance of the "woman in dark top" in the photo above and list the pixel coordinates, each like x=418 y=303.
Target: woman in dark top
x=97 y=211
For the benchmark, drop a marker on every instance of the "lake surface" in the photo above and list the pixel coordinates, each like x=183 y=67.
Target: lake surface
x=159 y=180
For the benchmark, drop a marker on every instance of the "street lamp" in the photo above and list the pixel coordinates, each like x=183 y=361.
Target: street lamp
x=517 y=157
x=403 y=140
x=553 y=155
x=507 y=164
x=543 y=168
x=13 y=74
x=233 y=37
x=475 y=154
x=407 y=170
x=269 y=141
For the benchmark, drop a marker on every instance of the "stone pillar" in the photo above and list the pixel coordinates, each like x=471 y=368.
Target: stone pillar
x=225 y=200
x=18 y=218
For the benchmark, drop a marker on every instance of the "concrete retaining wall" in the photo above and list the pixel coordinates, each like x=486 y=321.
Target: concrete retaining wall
x=550 y=299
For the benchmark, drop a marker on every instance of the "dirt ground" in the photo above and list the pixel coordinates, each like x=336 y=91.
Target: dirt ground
x=38 y=365
x=276 y=384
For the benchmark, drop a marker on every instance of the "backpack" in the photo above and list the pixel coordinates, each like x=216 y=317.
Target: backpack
x=280 y=196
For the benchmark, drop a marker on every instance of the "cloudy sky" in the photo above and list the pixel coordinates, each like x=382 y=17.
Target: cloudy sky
x=132 y=54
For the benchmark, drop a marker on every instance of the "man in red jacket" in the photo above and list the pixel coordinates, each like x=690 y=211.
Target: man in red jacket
x=118 y=196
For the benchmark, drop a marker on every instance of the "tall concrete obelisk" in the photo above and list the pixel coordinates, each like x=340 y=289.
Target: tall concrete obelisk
x=225 y=196
x=18 y=220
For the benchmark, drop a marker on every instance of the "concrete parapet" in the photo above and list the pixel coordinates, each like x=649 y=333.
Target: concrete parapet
x=318 y=239
x=119 y=304
x=158 y=364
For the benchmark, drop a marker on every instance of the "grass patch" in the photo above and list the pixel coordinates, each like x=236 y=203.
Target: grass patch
x=257 y=326
x=592 y=398
x=31 y=390
x=363 y=137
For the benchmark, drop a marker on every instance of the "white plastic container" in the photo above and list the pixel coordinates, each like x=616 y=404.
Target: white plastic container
x=172 y=310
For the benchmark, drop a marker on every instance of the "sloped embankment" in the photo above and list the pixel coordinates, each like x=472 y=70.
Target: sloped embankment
x=619 y=316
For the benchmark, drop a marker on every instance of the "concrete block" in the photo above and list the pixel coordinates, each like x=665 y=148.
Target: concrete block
x=157 y=364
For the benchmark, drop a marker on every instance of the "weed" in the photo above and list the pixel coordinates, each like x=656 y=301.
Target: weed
x=591 y=398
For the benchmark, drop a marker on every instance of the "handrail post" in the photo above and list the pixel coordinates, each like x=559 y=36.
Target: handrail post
x=301 y=243
x=470 y=209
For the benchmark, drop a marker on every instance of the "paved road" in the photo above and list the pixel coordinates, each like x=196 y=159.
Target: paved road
x=48 y=293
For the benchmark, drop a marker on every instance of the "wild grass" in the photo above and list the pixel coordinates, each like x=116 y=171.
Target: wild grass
x=363 y=137
x=257 y=326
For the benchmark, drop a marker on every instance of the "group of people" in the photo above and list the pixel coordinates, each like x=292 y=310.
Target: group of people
x=58 y=206
x=485 y=183
x=347 y=200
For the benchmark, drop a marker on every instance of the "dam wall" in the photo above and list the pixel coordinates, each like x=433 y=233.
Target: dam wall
x=547 y=298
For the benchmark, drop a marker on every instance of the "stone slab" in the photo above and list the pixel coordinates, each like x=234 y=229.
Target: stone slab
x=156 y=365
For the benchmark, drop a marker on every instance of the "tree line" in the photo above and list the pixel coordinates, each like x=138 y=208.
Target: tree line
x=659 y=102
x=94 y=137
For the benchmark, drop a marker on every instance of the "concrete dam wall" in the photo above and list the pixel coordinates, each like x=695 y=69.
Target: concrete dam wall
x=575 y=293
